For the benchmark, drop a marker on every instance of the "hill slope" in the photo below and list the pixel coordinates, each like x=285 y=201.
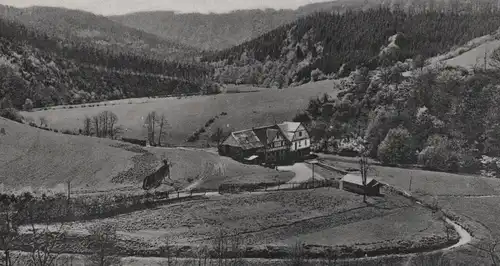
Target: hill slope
x=76 y=25
x=334 y=44
x=221 y=31
x=34 y=157
x=208 y=31
x=52 y=71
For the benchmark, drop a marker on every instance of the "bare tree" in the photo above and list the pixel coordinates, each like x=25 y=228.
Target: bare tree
x=103 y=242
x=218 y=135
x=9 y=228
x=95 y=121
x=150 y=123
x=163 y=124
x=44 y=240
x=87 y=126
x=43 y=237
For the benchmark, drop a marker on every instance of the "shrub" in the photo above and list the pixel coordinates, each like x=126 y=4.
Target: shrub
x=28 y=105
x=435 y=158
x=223 y=113
x=11 y=114
x=396 y=148
x=67 y=132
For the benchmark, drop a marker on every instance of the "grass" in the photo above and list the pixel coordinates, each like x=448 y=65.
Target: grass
x=31 y=157
x=318 y=217
x=429 y=183
x=187 y=115
x=34 y=158
x=211 y=170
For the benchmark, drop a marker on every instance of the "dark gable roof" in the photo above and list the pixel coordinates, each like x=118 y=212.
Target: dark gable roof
x=266 y=134
x=247 y=139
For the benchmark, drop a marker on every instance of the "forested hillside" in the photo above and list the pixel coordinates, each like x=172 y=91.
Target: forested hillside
x=334 y=44
x=443 y=118
x=95 y=30
x=222 y=31
x=51 y=71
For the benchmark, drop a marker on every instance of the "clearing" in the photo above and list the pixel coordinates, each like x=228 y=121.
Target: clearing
x=187 y=115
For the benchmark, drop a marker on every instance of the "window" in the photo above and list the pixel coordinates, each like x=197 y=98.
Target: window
x=295 y=145
x=300 y=143
x=300 y=134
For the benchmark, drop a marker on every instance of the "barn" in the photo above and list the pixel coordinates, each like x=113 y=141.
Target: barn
x=354 y=183
x=241 y=145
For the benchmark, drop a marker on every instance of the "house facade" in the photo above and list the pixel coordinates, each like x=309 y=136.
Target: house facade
x=269 y=144
x=299 y=138
x=276 y=145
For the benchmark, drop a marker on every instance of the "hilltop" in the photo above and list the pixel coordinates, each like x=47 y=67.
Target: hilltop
x=222 y=31
x=208 y=31
x=326 y=45
x=95 y=30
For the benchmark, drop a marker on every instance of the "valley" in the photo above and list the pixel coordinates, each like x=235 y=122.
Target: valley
x=364 y=134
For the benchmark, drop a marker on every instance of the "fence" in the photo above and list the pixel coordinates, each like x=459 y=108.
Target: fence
x=260 y=187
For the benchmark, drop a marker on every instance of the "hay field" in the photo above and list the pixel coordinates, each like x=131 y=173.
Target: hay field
x=322 y=217
x=187 y=115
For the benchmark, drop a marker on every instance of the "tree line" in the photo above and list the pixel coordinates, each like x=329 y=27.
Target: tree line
x=335 y=43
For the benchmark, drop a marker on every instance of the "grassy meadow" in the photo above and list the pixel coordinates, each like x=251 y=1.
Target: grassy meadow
x=186 y=115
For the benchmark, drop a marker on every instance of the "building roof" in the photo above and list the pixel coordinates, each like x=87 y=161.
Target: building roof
x=247 y=139
x=266 y=134
x=356 y=179
x=289 y=128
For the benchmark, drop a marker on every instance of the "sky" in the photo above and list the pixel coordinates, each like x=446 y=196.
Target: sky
x=115 y=7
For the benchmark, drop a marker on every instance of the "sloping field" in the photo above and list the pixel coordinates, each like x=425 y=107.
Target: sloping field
x=187 y=115
x=322 y=216
x=207 y=170
x=31 y=157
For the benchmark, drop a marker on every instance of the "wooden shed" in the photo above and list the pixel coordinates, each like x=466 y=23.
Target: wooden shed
x=354 y=183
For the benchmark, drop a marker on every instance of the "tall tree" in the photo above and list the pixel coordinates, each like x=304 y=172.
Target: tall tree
x=162 y=124
x=151 y=123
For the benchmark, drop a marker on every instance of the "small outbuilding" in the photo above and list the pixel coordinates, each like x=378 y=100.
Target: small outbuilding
x=354 y=183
